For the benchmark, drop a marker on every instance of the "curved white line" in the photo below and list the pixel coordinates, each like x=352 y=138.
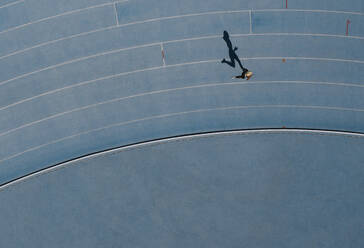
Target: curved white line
x=60 y=15
x=141 y=46
x=201 y=85
x=80 y=84
x=153 y=20
x=299 y=34
x=171 y=17
x=76 y=60
x=149 y=69
x=155 y=44
x=10 y=4
x=307 y=58
x=186 y=137
x=198 y=38
x=181 y=40
x=186 y=15
x=57 y=40
x=310 y=10
x=158 y=43
x=124 y=25
x=177 y=114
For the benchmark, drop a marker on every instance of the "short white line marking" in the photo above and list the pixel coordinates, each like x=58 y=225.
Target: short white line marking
x=177 y=114
x=116 y=15
x=250 y=18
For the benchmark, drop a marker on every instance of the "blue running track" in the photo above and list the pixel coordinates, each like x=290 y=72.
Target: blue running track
x=98 y=77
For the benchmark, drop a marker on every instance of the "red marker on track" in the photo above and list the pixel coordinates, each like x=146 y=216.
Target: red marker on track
x=347 y=27
x=286 y=4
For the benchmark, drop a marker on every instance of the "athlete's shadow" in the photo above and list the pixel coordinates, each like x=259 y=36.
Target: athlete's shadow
x=232 y=53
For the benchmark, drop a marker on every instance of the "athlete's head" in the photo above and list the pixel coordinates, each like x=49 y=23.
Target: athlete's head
x=248 y=75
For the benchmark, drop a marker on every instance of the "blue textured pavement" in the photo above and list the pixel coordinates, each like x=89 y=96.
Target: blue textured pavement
x=253 y=189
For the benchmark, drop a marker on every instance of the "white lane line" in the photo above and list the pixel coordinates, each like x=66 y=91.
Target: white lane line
x=116 y=15
x=250 y=18
x=50 y=169
x=163 y=54
x=186 y=15
x=298 y=34
x=307 y=58
x=52 y=17
x=103 y=78
x=311 y=10
x=154 y=44
x=130 y=72
x=177 y=16
x=125 y=24
x=173 y=41
x=178 y=114
x=76 y=60
x=10 y=4
x=131 y=23
x=200 y=85
x=57 y=40
x=80 y=84
x=59 y=15
x=251 y=58
x=197 y=38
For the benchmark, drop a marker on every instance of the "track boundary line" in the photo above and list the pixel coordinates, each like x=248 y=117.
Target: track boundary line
x=55 y=167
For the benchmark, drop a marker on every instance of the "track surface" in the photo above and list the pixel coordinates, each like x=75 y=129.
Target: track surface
x=83 y=76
